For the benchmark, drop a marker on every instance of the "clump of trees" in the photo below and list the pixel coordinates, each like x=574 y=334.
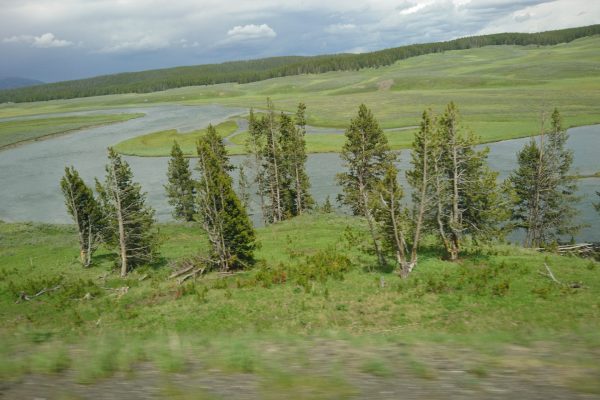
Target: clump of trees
x=277 y=149
x=220 y=211
x=118 y=217
x=545 y=190
x=211 y=201
x=454 y=193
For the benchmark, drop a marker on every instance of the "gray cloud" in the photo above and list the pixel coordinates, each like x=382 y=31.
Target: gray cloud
x=125 y=35
x=251 y=31
x=44 y=41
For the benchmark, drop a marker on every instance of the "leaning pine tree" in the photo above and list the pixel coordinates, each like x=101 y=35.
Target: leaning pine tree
x=367 y=157
x=130 y=222
x=180 y=185
x=223 y=216
x=85 y=211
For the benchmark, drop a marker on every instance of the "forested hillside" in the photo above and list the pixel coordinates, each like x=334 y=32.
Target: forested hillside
x=256 y=70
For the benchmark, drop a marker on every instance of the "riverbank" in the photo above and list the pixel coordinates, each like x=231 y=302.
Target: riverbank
x=15 y=133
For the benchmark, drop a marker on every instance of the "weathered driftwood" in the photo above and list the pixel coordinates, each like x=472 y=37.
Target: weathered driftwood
x=191 y=267
x=579 y=249
x=550 y=274
x=25 y=297
x=197 y=271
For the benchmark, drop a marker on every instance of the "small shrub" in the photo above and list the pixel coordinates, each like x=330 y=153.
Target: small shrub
x=220 y=284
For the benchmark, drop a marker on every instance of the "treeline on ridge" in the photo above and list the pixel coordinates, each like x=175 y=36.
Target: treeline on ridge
x=261 y=69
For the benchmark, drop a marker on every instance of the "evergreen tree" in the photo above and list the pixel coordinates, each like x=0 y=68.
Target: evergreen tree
x=295 y=151
x=367 y=157
x=406 y=225
x=545 y=192
x=180 y=186
x=220 y=211
x=278 y=150
x=273 y=165
x=85 y=211
x=327 y=207
x=243 y=188
x=392 y=217
x=130 y=222
x=468 y=199
x=255 y=145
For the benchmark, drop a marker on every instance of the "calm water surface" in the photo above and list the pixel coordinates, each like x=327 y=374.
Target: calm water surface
x=30 y=174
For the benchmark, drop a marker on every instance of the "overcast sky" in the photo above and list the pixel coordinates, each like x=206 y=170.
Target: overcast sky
x=55 y=40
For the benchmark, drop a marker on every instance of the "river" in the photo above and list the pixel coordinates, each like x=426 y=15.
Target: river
x=30 y=174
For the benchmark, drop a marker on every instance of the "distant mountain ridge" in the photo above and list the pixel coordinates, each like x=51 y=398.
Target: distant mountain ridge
x=266 y=68
x=15 y=82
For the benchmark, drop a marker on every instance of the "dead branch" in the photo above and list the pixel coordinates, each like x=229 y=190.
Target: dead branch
x=25 y=297
x=182 y=271
x=198 y=271
x=551 y=275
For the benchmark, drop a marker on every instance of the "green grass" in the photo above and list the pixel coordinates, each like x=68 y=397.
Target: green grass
x=17 y=131
x=594 y=175
x=160 y=143
x=500 y=91
x=293 y=319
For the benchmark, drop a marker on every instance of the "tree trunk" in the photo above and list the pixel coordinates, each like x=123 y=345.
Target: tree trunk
x=298 y=190
x=121 y=224
x=365 y=200
x=421 y=211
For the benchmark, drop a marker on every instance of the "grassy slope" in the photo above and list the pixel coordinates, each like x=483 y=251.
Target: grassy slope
x=467 y=312
x=16 y=131
x=500 y=90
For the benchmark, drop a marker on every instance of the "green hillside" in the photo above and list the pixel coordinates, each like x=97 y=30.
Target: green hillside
x=257 y=70
x=501 y=91
x=282 y=327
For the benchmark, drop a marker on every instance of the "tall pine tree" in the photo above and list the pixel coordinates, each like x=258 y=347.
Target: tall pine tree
x=254 y=145
x=295 y=151
x=401 y=226
x=468 y=200
x=85 y=211
x=130 y=221
x=180 y=185
x=273 y=160
x=545 y=191
x=223 y=216
x=367 y=157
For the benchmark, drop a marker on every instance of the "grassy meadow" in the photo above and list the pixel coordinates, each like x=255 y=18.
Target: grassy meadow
x=314 y=316
x=500 y=90
x=18 y=131
x=160 y=143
